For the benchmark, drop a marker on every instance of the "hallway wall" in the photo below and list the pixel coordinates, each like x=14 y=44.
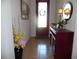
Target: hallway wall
x=7 y=43
x=10 y=14
x=33 y=18
x=52 y=17
x=21 y=25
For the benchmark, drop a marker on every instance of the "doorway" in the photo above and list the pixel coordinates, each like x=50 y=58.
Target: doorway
x=42 y=13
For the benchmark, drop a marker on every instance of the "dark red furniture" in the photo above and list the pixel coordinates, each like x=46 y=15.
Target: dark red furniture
x=63 y=44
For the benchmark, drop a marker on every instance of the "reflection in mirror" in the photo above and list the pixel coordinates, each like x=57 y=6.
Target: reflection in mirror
x=67 y=11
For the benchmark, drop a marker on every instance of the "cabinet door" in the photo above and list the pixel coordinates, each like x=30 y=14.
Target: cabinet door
x=63 y=47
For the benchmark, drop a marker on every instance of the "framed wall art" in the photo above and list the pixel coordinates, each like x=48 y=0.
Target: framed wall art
x=24 y=10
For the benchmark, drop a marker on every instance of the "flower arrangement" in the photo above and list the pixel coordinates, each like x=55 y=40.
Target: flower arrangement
x=61 y=23
x=19 y=42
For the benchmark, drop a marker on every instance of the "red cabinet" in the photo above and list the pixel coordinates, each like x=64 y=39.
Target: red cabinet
x=63 y=44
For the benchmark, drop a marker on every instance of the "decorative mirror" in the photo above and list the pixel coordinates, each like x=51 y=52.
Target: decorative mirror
x=24 y=10
x=67 y=11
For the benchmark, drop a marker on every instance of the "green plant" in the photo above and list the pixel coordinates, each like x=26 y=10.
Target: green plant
x=61 y=23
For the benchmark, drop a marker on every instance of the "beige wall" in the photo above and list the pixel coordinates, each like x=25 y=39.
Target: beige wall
x=71 y=23
x=52 y=17
x=33 y=18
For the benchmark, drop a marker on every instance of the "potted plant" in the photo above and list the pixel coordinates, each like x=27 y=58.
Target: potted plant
x=61 y=24
x=19 y=44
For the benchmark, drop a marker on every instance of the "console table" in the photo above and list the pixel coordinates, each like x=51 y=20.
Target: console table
x=63 y=41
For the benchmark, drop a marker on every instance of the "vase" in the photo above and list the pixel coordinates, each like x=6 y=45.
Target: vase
x=18 y=53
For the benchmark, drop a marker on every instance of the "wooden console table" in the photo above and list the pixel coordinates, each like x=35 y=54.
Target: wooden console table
x=63 y=40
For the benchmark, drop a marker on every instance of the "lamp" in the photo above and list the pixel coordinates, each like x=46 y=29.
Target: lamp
x=60 y=12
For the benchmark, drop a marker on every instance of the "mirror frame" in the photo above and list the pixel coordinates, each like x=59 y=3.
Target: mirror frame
x=70 y=11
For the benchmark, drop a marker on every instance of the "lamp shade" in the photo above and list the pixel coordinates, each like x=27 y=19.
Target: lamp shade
x=60 y=11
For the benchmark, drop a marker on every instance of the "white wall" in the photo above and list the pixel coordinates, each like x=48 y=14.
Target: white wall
x=71 y=24
x=7 y=47
x=33 y=15
x=21 y=25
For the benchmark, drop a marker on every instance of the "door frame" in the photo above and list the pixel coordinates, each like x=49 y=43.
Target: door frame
x=48 y=7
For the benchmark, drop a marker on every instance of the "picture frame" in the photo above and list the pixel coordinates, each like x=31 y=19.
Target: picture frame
x=24 y=10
